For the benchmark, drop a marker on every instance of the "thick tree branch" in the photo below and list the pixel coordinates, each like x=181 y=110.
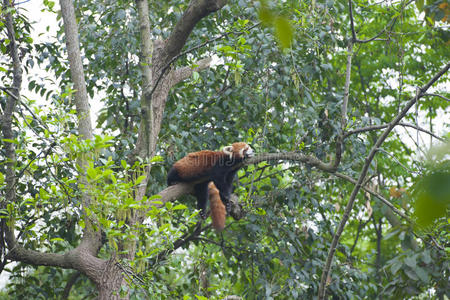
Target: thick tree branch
x=76 y=70
x=196 y=10
x=173 y=192
x=173 y=59
x=8 y=134
x=143 y=146
x=91 y=237
x=293 y=156
x=420 y=93
x=37 y=258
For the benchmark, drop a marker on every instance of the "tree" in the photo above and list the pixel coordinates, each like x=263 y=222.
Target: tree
x=319 y=89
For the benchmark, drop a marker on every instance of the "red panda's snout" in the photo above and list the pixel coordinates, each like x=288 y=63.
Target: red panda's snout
x=249 y=152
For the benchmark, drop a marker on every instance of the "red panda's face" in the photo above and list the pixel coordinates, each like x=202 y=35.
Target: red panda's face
x=239 y=150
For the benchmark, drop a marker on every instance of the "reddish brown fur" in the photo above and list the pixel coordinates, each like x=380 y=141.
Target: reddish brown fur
x=237 y=147
x=196 y=163
x=213 y=165
x=218 y=211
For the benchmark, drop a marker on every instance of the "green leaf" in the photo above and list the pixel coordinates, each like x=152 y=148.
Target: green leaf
x=11 y=141
x=411 y=274
x=411 y=261
x=284 y=31
x=92 y=173
x=395 y=267
x=140 y=179
x=422 y=274
x=124 y=164
x=57 y=240
x=426 y=257
x=179 y=206
x=419 y=4
x=157 y=158
x=153 y=197
x=113 y=178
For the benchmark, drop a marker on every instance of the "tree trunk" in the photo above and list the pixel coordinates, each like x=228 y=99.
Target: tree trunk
x=111 y=283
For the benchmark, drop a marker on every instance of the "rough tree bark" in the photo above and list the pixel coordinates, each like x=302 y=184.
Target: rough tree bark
x=100 y=271
x=6 y=123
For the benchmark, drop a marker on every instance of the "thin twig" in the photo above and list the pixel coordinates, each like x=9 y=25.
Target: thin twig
x=397 y=161
x=187 y=237
x=358 y=232
x=347 y=86
x=376 y=195
x=436 y=95
x=376 y=127
x=375 y=38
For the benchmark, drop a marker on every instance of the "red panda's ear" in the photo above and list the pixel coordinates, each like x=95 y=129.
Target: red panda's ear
x=228 y=150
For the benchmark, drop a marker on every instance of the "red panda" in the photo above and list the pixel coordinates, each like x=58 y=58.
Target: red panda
x=215 y=167
x=218 y=211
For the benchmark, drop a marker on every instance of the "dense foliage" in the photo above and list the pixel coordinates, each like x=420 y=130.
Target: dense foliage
x=278 y=91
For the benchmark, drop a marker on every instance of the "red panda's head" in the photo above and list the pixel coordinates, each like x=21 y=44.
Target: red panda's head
x=239 y=150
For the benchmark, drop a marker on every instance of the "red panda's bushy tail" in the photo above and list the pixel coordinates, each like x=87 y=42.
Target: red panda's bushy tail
x=218 y=211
